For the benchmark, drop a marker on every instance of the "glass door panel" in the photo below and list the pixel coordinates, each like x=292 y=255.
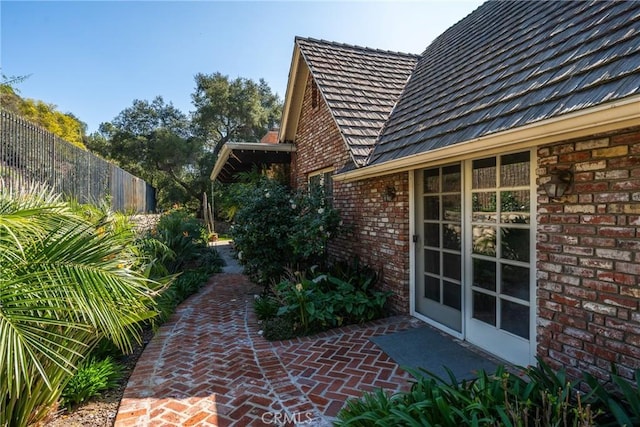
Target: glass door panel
x=500 y=251
x=439 y=261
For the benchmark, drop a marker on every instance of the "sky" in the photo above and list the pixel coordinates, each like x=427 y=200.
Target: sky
x=94 y=58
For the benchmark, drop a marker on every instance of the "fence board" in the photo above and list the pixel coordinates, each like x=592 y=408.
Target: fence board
x=30 y=154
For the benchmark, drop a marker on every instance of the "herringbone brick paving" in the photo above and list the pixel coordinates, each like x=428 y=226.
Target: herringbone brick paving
x=209 y=366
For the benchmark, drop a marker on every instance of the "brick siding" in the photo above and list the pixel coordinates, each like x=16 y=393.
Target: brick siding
x=589 y=256
x=588 y=245
x=378 y=231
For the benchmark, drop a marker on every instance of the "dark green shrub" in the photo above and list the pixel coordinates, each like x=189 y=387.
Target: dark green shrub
x=188 y=283
x=274 y=227
x=324 y=302
x=278 y=328
x=166 y=302
x=503 y=399
x=266 y=307
x=184 y=235
x=210 y=261
x=261 y=224
x=362 y=277
x=93 y=377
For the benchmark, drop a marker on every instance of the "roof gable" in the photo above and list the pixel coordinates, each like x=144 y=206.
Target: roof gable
x=510 y=64
x=360 y=86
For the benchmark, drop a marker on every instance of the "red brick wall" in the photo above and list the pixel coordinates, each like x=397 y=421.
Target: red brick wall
x=589 y=256
x=319 y=144
x=378 y=231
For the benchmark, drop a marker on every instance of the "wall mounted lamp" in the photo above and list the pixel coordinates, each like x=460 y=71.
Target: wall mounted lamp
x=559 y=183
x=389 y=194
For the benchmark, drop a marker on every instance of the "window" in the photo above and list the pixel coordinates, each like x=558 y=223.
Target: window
x=323 y=179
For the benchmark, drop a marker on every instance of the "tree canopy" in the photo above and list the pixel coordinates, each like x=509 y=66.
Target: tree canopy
x=65 y=125
x=175 y=152
x=233 y=110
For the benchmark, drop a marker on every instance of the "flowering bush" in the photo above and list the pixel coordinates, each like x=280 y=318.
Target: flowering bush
x=274 y=228
x=315 y=223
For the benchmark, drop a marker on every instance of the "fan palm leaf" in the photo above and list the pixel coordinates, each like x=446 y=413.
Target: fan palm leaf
x=63 y=287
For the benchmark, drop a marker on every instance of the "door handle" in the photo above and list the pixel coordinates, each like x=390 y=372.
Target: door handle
x=415 y=238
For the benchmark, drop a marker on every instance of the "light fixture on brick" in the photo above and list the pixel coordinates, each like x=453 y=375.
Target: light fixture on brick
x=559 y=183
x=389 y=194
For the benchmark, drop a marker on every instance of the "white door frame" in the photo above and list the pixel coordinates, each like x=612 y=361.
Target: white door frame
x=413 y=261
x=490 y=347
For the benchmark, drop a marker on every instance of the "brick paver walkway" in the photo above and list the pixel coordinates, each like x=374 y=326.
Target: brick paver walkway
x=209 y=366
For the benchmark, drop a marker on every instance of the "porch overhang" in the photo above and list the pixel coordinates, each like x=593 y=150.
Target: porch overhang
x=237 y=157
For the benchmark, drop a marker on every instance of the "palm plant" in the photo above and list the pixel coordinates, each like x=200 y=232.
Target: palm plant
x=65 y=284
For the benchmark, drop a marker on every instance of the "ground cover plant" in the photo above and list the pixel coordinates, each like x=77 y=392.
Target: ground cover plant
x=92 y=377
x=306 y=303
x=537 y=396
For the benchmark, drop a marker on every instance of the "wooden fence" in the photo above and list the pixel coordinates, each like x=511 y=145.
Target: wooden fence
x=31 y=154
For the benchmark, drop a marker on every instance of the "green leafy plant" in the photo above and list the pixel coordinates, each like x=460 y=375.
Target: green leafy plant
x=265 y=307
x=65 y=284
x=274 y=227
x=183 y=234
x=324 y=302
x=188 y=283
x=502 y=398
x=92 y=378
x=619 y=400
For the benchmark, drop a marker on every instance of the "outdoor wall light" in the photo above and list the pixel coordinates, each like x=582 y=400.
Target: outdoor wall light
x=559 y=183
x=389 y=194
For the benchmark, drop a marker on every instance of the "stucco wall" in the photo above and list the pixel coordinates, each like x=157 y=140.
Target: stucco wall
x=589 y=256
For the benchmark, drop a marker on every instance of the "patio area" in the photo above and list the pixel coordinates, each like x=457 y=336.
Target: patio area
x=210 y=366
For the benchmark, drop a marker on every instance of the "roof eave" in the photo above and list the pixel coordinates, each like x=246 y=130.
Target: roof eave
x=229 y=147
x=296 y=84
x=599 y=119
x=223 y=156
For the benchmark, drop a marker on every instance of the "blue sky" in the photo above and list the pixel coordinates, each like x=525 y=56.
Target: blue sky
x=94 y=58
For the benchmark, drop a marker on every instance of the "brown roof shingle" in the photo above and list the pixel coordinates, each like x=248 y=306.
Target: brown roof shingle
x=360 y=85
x=513 y=63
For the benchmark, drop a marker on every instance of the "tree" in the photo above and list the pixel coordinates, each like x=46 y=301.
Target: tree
x=65 y=125
x=152 y=140
x=238 y=110
x=157 y=142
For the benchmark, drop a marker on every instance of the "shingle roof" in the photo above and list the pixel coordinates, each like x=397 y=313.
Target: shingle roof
x=512 y=63
x=360 y=85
